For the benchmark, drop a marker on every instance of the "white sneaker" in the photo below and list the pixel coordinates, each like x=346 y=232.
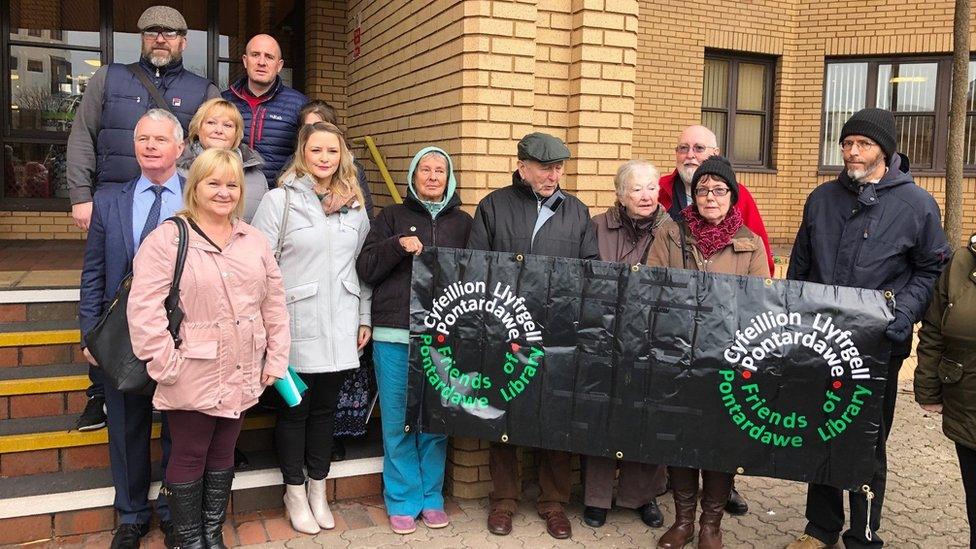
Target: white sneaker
x=296 y=502
x=318 y=501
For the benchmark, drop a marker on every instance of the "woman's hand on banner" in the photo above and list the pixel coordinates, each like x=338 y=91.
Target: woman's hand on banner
x=411 y=245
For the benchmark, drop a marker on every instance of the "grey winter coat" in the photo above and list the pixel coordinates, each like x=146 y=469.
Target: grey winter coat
x=326 y=300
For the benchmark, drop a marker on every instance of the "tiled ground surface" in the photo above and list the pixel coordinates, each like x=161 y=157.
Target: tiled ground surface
x=924 y=508
x=26 y=264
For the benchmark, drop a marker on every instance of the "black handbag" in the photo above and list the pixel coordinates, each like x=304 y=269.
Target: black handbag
x=109 y=343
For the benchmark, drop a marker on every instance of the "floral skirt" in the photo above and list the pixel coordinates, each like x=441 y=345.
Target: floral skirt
x=355 y=398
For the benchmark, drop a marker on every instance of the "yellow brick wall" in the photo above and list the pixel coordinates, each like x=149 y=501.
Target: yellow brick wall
x=38 y=226
x=800 y=34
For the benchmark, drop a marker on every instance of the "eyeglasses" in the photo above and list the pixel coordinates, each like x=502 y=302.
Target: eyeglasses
x=862 y=144
x=683 y=149
x=167 y=34
x=717 y=191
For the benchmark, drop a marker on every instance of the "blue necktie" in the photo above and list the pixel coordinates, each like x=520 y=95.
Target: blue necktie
x=153 y=218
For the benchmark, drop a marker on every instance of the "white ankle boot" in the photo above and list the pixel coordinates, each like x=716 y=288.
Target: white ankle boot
x=299 y=512
x=318 y=501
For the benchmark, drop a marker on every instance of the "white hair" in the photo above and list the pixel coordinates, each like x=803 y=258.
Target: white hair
x=163 y=115
x=629 y=169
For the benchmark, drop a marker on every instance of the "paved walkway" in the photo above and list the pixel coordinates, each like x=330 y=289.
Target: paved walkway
x=924 y=508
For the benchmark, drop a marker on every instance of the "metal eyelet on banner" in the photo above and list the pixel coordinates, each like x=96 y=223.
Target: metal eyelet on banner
x=889 y=294
x=635 y=268
x=519 y=257
x=740 y=470
x=504 y=438
x=769 y=282
x=406 y=428
x=620 y=455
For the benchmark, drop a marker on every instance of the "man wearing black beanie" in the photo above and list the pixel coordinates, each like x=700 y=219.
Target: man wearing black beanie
x=873 y=228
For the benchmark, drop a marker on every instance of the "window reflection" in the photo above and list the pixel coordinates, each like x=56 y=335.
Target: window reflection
x=34 y=170
x=46 y=86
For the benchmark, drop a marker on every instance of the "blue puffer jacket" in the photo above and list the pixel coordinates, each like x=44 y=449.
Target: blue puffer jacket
x=125 y=100
x=887 y=236
x=271 y=128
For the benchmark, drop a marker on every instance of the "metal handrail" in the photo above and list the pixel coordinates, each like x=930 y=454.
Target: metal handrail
x=381 y=164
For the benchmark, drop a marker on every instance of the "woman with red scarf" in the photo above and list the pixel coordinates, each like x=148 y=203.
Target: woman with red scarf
x=712 y=238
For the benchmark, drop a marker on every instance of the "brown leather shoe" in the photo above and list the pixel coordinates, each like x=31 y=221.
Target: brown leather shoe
x=557 y=524
x=500 y=522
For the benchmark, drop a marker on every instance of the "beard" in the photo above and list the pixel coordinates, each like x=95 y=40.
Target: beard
x=686 y=173
x=161 y=58
x=858 y=174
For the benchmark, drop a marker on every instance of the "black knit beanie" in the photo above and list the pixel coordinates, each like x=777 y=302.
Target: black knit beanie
x=875 y=124
x=719 y=167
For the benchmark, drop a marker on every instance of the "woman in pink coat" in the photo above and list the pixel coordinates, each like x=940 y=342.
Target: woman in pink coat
x=235 y=339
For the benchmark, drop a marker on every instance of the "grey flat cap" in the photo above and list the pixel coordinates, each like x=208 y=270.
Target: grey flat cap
x=542 y=148
x=163 y=17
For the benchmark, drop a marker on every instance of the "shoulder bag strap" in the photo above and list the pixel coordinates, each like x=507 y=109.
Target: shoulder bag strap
x=284 y=224
x=173 y=299
x=135 y=69
x=682 y=226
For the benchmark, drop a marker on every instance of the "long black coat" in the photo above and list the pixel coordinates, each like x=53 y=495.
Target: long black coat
x=887 y=236
x=505 y=219
x=384 y=264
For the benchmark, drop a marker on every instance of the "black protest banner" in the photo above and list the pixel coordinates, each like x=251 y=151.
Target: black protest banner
x=739 y=374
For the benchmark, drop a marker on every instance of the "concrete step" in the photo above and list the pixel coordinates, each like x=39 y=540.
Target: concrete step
x=73 y=503
x=34 y=445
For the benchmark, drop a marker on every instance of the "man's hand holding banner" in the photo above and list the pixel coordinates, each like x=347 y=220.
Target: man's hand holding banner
x=728 y=373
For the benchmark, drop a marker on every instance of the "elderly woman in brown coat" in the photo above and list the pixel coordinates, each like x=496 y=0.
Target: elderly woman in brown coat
x=624 y=233
x=710 y=238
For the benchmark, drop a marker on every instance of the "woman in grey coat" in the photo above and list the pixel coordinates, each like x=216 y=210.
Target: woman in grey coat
x=329 y=306
x=218 y=123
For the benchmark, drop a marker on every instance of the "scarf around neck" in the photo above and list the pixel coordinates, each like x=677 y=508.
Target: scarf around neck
x=709 y=238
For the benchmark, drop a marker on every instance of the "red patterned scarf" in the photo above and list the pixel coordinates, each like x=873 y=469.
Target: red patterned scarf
x=709 y=238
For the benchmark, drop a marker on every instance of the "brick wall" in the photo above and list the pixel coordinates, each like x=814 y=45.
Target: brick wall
x=671 y=46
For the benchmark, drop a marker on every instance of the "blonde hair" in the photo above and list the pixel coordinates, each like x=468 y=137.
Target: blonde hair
x=208 y=163
x=345 y=181
x=217 y=107
x=628 y=170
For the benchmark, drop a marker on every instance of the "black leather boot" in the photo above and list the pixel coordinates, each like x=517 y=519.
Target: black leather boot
x=216 y=494
x=186 y=512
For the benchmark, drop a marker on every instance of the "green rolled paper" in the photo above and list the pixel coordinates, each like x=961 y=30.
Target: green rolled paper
x=291 y=387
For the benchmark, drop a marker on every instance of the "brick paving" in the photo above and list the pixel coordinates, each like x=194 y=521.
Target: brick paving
x=924 y=508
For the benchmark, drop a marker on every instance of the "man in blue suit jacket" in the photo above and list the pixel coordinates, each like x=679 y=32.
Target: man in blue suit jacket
x=122 y=216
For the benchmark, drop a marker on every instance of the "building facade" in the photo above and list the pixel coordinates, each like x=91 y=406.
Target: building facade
x=616 y=79
x=775 y=79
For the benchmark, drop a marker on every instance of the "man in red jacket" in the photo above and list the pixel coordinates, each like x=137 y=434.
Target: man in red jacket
x=695 y=144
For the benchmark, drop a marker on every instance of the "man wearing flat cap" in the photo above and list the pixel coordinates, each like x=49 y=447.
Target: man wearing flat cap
x=100 y=148
x=873 y=228
x=101 y=154
x=533 y=216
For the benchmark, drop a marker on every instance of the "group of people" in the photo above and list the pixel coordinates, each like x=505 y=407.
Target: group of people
x=285 y=268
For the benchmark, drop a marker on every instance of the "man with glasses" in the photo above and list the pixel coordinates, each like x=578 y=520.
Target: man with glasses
x=533 y=216
x=695 y=144
x=100 y=148
x=874 y=228
x=268 y=106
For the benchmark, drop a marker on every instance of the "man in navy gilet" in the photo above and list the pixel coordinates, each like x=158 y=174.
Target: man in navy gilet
x=269 y=107
x=100 y=147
